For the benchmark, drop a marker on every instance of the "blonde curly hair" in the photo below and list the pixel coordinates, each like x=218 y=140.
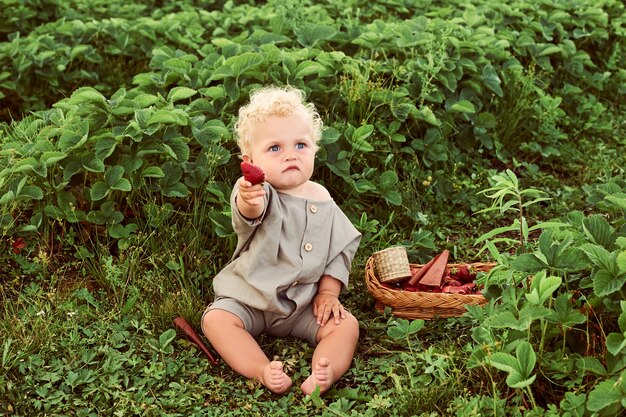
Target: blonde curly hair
x=273 y=101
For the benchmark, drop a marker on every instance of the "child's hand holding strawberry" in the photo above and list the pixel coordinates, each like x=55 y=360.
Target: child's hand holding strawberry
x=251 y=192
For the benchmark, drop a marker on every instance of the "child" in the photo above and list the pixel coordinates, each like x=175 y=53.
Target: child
x=294 y=251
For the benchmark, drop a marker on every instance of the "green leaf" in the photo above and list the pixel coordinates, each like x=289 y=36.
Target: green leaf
x=542 y=288
x=145 y=100
x=512 y=228
x=606 y=282
x=616 y=200
x=98 y=191
x=51 y=157
x=572 y=259
x=27 y=164
x=516 y=380
x=105 y=146
x=180 y=93
x=507 y=320
x=598 y=230
x=550 y=49
x=388 y=180
x=359 y=138
x=165 y=117
x=119 y=231
x=177 y=148
x=309 y=35
x=340 y=167
x=175 y=190
x=330 y=135
x=528 y=262
x=588 y=365
x=392 y=197
x=426 y=114
x=122 y=185
x=504 y=362
x=615 y=343
x=167 y=337
x=232 y=89
x=222 y=223
x=598 y=255
x=492 y=80
x=462 y=106
x=7 y=198
x=607 y=393
x=244 y=62
x=111 y=216
x=621 y=261
x=92 y=164
x=306 y=68
x=527 y=358
x=212 y=131
x=564 y=314
x=31 y=192
x=399 y=329
x=74 y=137
x=113 y=174
x=519 y=367
x=530 y=313
x=177 y=65
x=152 y=172
x=86 y=95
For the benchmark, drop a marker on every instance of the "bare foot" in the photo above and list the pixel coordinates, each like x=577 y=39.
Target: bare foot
x=322 y=377
x=275 y=379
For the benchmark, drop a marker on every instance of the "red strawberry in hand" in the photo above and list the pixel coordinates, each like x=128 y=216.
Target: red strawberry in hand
x=252 y=173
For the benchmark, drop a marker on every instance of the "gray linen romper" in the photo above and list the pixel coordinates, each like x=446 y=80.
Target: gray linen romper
x=280 y=257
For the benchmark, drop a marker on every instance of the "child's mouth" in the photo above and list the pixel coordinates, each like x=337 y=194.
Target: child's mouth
x=290 y=168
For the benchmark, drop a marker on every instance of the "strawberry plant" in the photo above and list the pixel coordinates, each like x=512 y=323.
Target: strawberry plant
x=572 y=281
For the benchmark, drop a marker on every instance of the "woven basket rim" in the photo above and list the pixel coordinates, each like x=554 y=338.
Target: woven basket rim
x=424 y=305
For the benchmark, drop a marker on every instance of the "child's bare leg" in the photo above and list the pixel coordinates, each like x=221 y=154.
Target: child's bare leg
x=333 y=354
x=241 y=352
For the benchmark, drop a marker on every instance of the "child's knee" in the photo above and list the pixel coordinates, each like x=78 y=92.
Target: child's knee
x=352 y=325
x=214 y=320
x=348 y=328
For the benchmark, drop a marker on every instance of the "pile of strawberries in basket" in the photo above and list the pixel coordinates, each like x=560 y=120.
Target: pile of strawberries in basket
x=438 y=277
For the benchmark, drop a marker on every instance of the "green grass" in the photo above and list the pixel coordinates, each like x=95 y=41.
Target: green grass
x=72 y=349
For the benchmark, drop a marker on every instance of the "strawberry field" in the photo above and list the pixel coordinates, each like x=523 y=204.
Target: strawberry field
x=494 y=130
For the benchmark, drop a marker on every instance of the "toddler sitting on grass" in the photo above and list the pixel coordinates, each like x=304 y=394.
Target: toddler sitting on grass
x=294 y=251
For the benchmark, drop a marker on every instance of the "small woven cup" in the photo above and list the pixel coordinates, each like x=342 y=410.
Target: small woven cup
x=392 y=264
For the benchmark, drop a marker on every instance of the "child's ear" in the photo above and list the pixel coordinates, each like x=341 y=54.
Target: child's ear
x=246 y=158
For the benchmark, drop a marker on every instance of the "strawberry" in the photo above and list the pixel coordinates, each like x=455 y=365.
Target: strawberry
x=252 y=173
x=465 y=274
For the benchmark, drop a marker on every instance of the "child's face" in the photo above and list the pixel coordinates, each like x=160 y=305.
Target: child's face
x=283 y=147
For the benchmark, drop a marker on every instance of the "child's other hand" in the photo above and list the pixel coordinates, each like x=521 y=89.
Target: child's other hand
x=326 y=304
x=250 y=194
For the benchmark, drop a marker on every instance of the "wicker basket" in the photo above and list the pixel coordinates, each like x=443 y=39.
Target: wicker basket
x=421 y=305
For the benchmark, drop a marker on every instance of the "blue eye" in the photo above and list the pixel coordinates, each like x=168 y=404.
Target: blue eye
x=274 y=148
x=300 y=145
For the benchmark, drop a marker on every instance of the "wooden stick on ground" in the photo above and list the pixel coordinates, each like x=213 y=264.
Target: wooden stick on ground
x=191 y=334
